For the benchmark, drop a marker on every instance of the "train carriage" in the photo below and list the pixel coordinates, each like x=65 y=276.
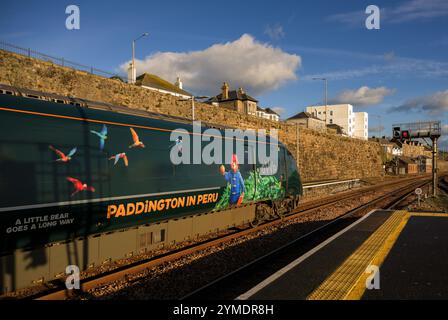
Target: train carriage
x=71 y=168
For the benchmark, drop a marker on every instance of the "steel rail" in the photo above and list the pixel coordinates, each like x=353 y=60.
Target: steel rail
x=137 y=267
x=402 y=193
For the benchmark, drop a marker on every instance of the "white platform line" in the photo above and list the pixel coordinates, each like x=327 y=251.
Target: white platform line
x=296 y=262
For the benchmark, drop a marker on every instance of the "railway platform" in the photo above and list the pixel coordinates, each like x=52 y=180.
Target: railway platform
x=387 y=254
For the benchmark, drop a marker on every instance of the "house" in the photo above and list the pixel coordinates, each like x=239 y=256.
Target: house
x=271 y=115
x=343 y=116
x=261 y=113
x=391 y=148
x=424 y=164
x=307 y=120
x=406 y=165
x=335 y=129
x=267 y=113
x=397 y=150
x=155 y=83
x=236 y=100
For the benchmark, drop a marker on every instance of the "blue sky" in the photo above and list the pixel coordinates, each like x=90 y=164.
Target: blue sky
x=270 y=48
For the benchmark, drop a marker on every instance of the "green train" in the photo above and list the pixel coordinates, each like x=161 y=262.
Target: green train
x=73 y=168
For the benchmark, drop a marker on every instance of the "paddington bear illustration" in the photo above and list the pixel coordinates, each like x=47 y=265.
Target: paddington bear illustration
x=236 y=181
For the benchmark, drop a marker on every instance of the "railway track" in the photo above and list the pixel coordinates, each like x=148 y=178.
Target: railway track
x=254 y=272
x=306 y=208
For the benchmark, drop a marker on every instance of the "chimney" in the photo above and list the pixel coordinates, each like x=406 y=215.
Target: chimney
x=179 y=83
x=225 y=91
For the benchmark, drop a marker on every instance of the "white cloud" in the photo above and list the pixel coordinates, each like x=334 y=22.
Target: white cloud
x=436 y=103
x=396 y=67
x=245 y=62
x=275 y=32
x=363 y=96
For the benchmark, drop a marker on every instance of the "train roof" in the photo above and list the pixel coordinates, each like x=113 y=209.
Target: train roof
x=103 y=106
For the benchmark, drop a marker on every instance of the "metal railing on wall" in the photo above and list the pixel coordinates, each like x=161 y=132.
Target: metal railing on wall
x=59 y=61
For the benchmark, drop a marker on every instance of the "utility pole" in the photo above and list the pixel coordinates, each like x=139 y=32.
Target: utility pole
x=380 y=128
x=434 y=166
x=133 y=69
x=325 y=95
x=297 y=145
x=192 y=98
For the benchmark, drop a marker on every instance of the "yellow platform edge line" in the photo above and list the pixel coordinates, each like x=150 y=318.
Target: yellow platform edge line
x=429 y=214
x=325 y=291
x=360 y=287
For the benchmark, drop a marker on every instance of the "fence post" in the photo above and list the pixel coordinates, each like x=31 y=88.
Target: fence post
x=29 y=52
x=62 y=59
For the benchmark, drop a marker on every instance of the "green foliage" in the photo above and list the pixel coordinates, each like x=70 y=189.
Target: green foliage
x=257 y=187
x=224 y=201
x=266 y=187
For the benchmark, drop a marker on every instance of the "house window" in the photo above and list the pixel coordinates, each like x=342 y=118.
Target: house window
x=331 y=113
x=331 y=121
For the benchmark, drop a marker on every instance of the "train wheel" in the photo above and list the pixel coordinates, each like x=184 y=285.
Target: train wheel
x=277 y=210
x=296 y=201
x=263 y=212
x=254 y=223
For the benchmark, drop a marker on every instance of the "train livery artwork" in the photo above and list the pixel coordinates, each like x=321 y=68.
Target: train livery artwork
x=70 y=171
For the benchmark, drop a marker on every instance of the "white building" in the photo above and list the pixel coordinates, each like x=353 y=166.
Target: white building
x=343 y=116
x=340 y=114
x=268 y=113
x=362 y=125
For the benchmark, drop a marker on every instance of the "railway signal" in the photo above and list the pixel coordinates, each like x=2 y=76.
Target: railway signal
x=405 y=135
x=396 y=133
x=422 y=130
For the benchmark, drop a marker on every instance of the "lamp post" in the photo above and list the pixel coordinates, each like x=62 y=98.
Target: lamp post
x=326 y=95
x=380 y=128
x=133 y=69
x=192 y=98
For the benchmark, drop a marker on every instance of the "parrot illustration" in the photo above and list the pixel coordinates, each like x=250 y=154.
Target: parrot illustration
x=62 y=156
x=137 y=143
x=102 y=135
x=119 y=156
x=79 y=186
x=178 y=143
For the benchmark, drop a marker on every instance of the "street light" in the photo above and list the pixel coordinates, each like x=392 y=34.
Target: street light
x=326 y=89
x=380 y=128
x=133 y=69
x=192 y=98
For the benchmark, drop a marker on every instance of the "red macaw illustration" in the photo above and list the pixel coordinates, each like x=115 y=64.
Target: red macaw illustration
x=79 y=186
x=137 y=143
x=62 y=156
x=119 y=156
